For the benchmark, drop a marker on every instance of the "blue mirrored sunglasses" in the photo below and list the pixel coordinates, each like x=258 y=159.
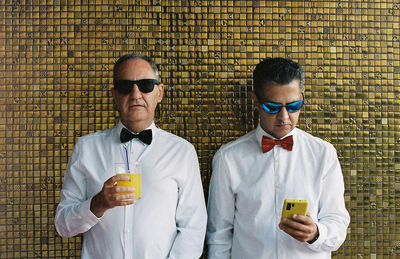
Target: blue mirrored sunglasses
x=273 y=108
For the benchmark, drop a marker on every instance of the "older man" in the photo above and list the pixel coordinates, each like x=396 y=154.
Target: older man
x=169 y=219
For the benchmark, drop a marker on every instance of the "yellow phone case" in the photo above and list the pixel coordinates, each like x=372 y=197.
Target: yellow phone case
x=291 y=207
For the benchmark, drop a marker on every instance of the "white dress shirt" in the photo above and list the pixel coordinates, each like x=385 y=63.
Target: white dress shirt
x=168 y=221
x=247 y=191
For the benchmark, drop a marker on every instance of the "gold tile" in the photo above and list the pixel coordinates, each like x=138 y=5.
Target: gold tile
x=56 y=61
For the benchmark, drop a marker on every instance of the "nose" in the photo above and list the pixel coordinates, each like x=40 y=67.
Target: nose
x=283 y=114
x=136 y=94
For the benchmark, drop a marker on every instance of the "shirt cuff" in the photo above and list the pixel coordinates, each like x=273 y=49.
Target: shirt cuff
x=91 y=219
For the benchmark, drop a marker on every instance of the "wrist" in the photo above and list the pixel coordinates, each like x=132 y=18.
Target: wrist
x=315 y=237
x=95 y=207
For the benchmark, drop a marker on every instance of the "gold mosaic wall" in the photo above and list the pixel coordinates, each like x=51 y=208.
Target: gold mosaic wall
x=56 y=58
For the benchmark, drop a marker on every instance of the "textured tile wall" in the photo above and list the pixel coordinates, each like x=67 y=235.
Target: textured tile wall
x=56 y=58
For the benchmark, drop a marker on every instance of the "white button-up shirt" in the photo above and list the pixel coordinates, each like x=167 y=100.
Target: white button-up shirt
x=248 y=188
x=168 y=221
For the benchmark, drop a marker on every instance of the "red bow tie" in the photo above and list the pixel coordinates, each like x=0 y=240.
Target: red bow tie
x=268 y=143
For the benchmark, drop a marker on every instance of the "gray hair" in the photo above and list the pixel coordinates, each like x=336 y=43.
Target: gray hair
x=133 y=56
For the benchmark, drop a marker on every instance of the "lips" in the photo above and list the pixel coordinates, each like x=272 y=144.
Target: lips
x=283 y=125
x=136 y=104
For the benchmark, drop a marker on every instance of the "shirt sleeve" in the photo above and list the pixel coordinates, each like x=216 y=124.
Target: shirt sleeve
x=191 y=214
x=221 y=210
x=333 y=218
x=73 y=215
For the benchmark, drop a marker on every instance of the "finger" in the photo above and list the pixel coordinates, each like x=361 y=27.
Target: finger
x=122 y=177
x=124 y=200
x=112 y=198
x=127 y=202
x=112 y=181
x=125 y=189
x=296 y=234
x=112 y=193
x=109 y=191
x=126 y=196
x=306 y=220
x=296 y=225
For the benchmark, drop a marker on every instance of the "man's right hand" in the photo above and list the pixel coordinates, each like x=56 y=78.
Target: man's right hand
x=109 y=196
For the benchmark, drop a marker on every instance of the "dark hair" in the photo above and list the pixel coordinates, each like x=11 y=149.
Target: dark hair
x=272 y=71
x=133 y=56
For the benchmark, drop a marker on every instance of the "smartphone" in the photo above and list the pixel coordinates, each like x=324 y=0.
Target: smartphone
x=291 y=207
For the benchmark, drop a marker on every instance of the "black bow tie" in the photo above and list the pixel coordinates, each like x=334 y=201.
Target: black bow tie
x=145 y=136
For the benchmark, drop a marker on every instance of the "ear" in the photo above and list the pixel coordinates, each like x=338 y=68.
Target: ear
x=256 y=103
x=160 y=92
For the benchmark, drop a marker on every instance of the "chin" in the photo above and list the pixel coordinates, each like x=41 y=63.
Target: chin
x=282 y=133
x=137 y=119
x=284 y=128
x=137 y=113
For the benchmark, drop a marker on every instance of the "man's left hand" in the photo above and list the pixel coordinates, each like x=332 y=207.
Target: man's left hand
x=301 y=228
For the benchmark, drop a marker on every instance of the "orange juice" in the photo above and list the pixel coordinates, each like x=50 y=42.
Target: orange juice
x=135 y=182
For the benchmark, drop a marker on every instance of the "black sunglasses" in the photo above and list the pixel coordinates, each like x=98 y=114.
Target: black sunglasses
x=126 y=86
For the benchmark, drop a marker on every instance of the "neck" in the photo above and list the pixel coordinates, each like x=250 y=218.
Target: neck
x=136 y=127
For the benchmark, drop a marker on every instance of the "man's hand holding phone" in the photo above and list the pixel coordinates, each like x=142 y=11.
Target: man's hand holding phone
x=297 y=222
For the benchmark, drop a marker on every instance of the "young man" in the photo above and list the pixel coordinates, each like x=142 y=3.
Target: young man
x=169 y=220
x=253 y=175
